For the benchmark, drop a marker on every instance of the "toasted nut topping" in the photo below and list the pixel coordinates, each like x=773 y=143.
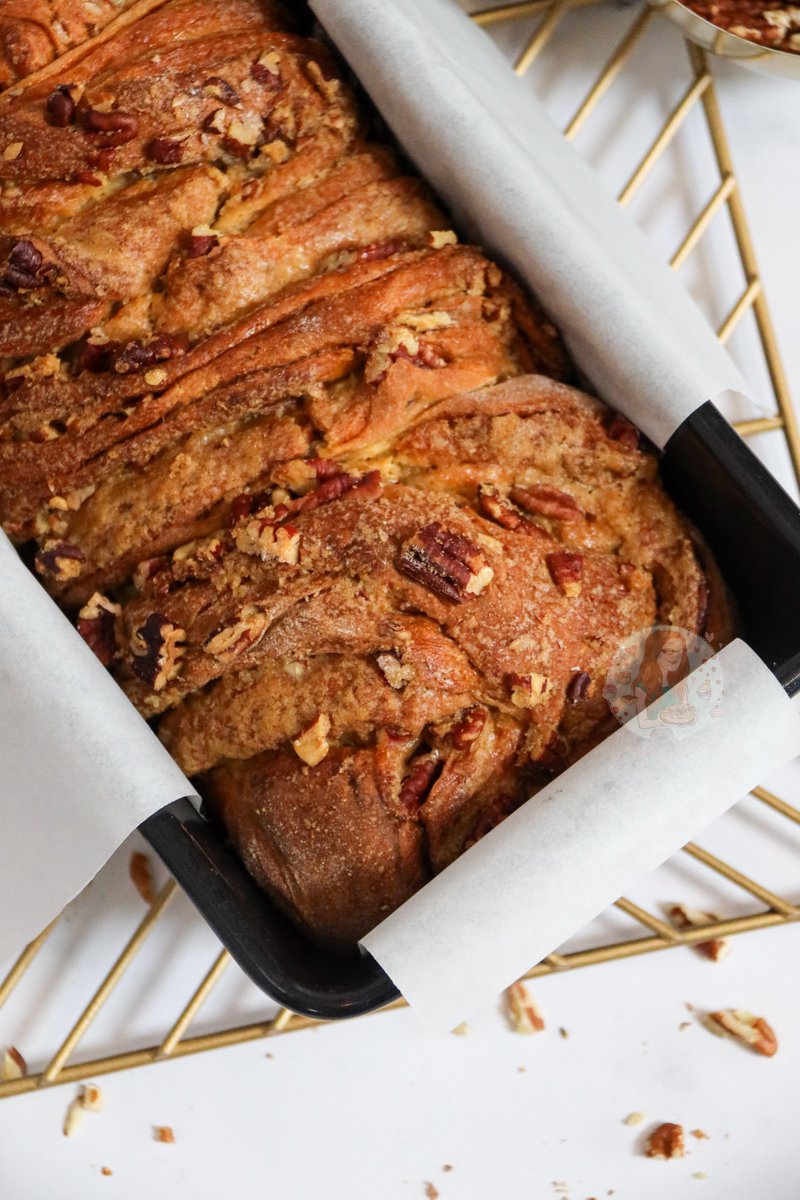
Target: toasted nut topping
x=449 y=564
x=13 y=151
x=523 y=1013
x=566 y=571
x=115 y=127
x=418 y=781
x=262 y=537
x=220 y=89
x=60 y=107
x=201 y=244
x=546 y=501
x=13 y=1066
x=164 y=1133
x=683 y=917
x=441 y=237
x=59 y=560
x=396 y=673
x=529 y=690
x=312 y=744
x=156 y=649
x=469 y=728
x=578 y=686
x=141 y=875
x=750 y=1031
x=165 y=151
x=666 y=1141
x=98 y=623
x=229 y=643
x=622 y=430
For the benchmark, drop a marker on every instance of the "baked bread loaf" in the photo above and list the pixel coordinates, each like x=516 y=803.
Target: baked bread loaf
x=309 y=474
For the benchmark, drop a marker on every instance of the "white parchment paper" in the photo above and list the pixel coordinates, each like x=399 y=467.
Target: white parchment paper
x=79 y=768
x=517 y=187
x=576 y=846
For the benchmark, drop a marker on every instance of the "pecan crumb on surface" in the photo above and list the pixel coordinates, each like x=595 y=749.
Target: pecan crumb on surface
x=164 y=1133
x=462 y=1030
x=431 y=1192
x=634 y=1118
x=141 y=875
x=683 y=917
x=750 y=1031
x=523 y=1013
x=106 y=1171
x=88 y=1099
x=665 y=1141
x=700 y=1134
x=14 y=1065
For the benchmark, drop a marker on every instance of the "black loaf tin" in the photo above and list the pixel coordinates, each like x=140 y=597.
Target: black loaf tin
x=752 y=528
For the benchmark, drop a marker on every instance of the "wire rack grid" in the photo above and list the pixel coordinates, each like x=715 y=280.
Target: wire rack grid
x=651 y=931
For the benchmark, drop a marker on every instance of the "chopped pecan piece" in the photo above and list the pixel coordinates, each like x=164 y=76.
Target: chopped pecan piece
x=201 y=244
x=229 y=643
x=165 y=151
x=418 y=781
x=546 y=501
x=449 y=564
x=164 y=1133
x=566 y=571
x=750 y=1031
x=683 y=917
x=624 y=431
x=312 y=744
x=25 y=268
x=523 y=1012
x=396 y=673
x=469 y=728
x=266 y=539
x=91 y=1097
x=97 y=625
x=529 y=690
x=60 y=107
x=220 y=89
x=115 y=128
x=156 y=648
x=138 y=355
x=492 y=505
x=60 y=561
x=578 y=686
x=665 y=1141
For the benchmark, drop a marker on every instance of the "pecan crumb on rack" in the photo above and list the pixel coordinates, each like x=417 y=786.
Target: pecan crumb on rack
x=431 y=1192
x=106 y=1171
x=700 y=1134
x=523 y=1013
x=14 y=1065
x=164 y=1133
x=665 y=1141
x=750 y=1031
x=683 y=917
x=634 y=1118
x=141 y=875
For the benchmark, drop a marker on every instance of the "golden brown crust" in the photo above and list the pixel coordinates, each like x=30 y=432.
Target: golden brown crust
x=367 y=555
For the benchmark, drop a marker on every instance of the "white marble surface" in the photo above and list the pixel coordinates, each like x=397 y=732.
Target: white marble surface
x=374 y=1109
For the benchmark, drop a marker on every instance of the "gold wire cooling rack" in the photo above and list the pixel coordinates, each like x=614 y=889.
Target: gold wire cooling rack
x=653 y=933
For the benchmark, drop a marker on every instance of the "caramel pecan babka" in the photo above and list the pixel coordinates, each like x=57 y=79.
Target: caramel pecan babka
x=309 y=474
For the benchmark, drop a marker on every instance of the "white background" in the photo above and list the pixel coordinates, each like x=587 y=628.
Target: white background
x=374 y=1109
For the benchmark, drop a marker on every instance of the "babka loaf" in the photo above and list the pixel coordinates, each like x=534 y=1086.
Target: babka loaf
x=308 y=472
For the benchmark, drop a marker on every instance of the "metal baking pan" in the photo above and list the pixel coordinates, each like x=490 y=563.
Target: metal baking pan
x=753 y=529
